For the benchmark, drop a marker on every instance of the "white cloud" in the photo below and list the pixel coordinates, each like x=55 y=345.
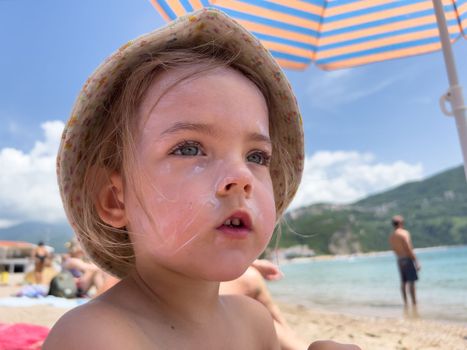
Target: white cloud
x=28 y=185
x=7 y=223
x=344 y=177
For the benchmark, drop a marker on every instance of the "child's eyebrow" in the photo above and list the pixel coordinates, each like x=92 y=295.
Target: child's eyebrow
x=210 y=130
x=254 y=136
x=183 y=126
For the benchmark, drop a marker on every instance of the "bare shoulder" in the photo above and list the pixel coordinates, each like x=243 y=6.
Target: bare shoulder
x=400 y=234
x=244 y=305
x=95 y=325
x=252 y=277
x=250 y=284
x=255 y=317
x=253 y=272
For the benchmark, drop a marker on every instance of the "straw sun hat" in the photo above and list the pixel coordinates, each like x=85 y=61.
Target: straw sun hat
x=201 y=27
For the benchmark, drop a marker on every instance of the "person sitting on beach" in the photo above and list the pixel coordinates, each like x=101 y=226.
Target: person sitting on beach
x=401 y=244
x=183 y=150
x=87 y=275
x=40 y=256
x=252 y=284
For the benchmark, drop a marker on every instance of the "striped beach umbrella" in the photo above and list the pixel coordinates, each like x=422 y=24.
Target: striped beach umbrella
x=335 y=34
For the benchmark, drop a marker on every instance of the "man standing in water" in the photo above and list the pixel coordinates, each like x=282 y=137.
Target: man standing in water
x=408 y=265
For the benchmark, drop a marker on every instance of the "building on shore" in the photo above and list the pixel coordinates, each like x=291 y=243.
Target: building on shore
x=15 y=256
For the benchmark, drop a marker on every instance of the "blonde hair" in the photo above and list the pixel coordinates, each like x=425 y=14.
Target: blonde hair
x=111 y=148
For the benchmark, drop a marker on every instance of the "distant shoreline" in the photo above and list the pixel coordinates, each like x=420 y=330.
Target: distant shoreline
x=325 y=257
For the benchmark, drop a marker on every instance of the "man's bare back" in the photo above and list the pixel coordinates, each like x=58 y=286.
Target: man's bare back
x=401 y=243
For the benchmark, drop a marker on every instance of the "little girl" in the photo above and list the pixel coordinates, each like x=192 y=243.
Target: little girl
x=183 y=150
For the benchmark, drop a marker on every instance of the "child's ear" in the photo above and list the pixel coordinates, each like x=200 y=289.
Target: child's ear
x=110 y=203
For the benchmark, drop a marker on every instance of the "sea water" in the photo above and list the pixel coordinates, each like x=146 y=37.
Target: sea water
x=370 y=284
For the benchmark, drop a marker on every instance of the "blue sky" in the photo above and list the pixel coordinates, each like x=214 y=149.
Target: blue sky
x=366 y=129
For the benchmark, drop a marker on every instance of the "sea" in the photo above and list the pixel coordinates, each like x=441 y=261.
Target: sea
x=369 y=285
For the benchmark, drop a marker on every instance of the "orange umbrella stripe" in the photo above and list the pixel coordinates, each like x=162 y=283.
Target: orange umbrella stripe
x=196 y=4
x=177 y=7
x=270 y=45
x=281 y=33
x=382 y=42
x=462 y=8
x=361 y=5
x=300 y=5
x=291 y=64
x=405 y=10
x=355 y=6
x=387 y=28
x=269 y=14
x=357 y=61
x=160 y=10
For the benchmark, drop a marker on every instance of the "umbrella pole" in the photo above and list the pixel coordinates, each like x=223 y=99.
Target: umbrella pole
x=454 y=94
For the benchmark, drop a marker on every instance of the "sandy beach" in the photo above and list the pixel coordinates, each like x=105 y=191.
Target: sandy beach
x=310 y=324
x=374 y=332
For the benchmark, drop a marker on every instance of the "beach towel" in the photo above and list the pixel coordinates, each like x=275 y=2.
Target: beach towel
x=22 y=336
x=33 y=291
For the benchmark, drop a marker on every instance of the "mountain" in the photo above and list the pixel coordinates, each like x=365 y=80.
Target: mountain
x=55 y=235
x=434 y=210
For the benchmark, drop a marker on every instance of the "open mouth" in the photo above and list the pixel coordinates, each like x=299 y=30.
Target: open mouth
x=237 y=222
x=234 y=223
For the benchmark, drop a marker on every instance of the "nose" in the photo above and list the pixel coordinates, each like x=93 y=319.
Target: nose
x=239 y=183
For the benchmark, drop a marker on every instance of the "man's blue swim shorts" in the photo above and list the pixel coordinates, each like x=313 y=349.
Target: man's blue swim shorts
x=407 y=269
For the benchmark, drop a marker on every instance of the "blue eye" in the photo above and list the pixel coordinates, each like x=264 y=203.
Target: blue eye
x=259 y=157
x=188 y=149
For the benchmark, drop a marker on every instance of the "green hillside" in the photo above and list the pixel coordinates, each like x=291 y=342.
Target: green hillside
x=435 y=211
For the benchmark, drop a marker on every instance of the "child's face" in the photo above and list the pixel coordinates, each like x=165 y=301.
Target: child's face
x=202 y=157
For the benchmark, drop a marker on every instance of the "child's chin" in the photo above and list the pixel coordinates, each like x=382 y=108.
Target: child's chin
x=227 y=274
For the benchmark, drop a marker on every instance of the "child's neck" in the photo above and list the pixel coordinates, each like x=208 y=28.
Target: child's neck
x=176 y=294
